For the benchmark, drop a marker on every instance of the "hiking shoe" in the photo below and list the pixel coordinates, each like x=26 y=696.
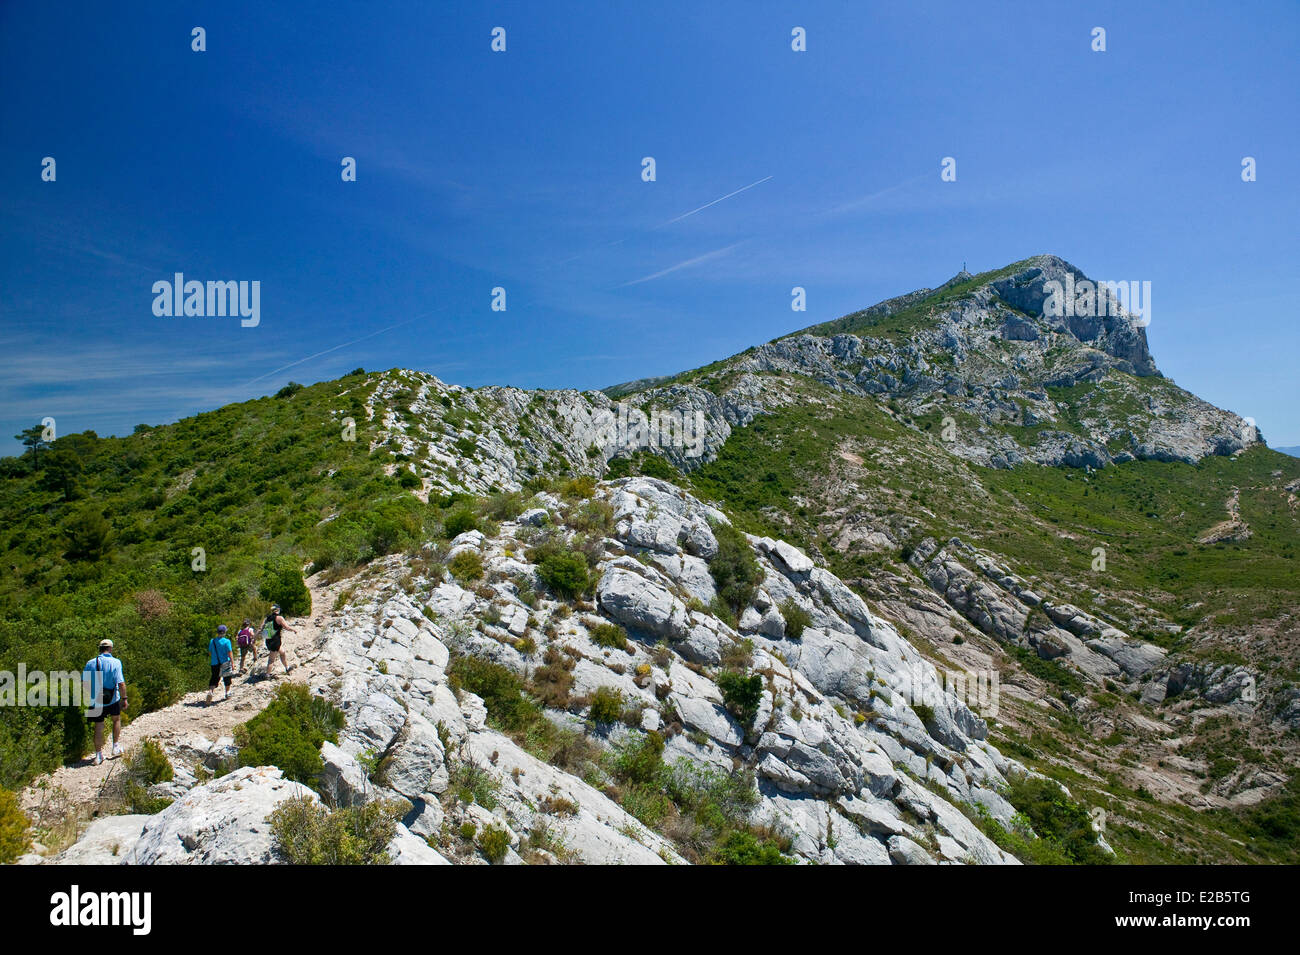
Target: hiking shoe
x=99 y=758
x=117 y=750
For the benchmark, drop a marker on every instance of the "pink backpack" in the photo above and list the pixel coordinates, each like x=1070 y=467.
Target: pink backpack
x=246 y=637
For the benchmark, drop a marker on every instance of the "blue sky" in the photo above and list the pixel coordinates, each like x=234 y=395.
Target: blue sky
x=522 y=170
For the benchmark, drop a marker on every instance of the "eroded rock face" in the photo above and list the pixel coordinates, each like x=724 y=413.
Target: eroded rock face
x=831 y=745
x=1001 y=604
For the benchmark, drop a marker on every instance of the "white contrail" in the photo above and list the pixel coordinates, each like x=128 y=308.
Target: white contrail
x=719 y=199
x=336 y=348
x=681 y=265
x=865 y=200
x=661 y=225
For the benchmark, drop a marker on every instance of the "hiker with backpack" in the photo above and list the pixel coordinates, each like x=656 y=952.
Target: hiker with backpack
x=103 y=676
x=221 y=655
x=247 y=641
x=273 y=630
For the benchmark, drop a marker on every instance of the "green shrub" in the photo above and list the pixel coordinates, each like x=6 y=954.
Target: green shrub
x=641 y=763
x=1057 y=819
x=566 y=573
x=501 y=690
x=306 y=833
x=924 y=712
x=734 y=568
x=494 y=842
x=609 y=635
x=408 y=478
x=459 y=521
x=473 y=784
x=15 y=828
x=722 y=610
x=356 y=537
x=742 y=847
x=282 y=584
x=149 y=764
x=504 y=506
x=796 y=618
x=741 y=695
x=592 y=517
x=583 y=486
x=466 y=565
x=89 y=535
x=289 y=733
x=606 y=705
x=652 y=806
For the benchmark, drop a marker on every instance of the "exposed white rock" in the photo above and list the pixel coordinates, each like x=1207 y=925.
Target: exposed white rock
x=222 y=822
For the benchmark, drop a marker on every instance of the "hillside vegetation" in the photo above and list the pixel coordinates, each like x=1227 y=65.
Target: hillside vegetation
x=100 y=537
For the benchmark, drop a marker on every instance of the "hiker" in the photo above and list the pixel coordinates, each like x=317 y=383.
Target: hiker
x=104 y=676
x=221 y=656
x=273 y=630
x=247 y=641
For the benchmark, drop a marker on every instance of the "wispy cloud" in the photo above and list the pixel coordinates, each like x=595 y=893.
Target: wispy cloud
x=706 y=257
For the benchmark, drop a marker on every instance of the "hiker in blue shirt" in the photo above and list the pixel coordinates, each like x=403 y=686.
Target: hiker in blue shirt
x=107 y=687
x=221 y=656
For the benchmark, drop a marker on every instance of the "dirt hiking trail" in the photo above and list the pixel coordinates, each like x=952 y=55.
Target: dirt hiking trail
x=79 y=788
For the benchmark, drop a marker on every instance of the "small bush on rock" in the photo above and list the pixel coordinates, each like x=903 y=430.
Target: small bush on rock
x=466 y=565
x=606 y=705
x=494 y=843
x=609 y=635
x=459 y=521
x=741 y=695
x=742 y=847
x=565 y=573
x=501 y=690
x=796 y=619
x=289 y=733
x=306 y=833
x=583 y=486
x=734 y=568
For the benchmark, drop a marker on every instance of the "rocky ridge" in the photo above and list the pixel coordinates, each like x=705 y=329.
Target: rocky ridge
x=979 y=354
x=845 y=769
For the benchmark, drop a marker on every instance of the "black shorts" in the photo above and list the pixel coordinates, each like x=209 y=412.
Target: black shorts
x=273 y=643
x=216 y=677
x=111 y=709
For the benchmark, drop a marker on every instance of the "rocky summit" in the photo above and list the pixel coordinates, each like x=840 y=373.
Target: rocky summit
x=957 y=578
